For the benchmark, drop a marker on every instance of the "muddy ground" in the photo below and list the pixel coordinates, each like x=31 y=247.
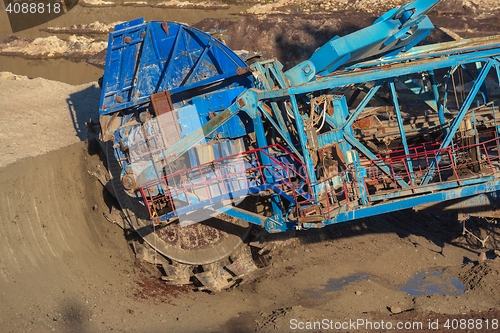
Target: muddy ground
x=66 y=268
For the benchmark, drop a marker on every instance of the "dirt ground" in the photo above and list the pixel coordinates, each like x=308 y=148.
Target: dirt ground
x=66 y=268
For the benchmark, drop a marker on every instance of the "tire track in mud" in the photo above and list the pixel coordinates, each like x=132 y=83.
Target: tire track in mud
x=36 y=199
x=56 y=248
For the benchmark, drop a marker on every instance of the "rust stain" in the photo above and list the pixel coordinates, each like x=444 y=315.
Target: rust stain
x=242 y=70
x=165 y=26
x=367 y=123
x=267 y=109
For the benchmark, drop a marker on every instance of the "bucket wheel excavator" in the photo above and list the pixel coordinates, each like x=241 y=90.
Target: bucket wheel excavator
x=201 y=146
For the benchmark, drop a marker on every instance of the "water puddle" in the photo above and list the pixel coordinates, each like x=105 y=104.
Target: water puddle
x=336 y=284
x=63 y=70
x=433 y=281
x=427 y=282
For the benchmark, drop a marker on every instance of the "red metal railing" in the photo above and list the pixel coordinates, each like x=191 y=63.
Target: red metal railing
x=451 y=160
x=410 y=168
x=163 y=191
x=448 y=167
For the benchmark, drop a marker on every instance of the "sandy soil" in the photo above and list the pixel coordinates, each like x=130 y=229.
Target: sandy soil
x=91 y=28
x=43 y=115
x=193 y=5
x=52 y=47
x=66 y=268
x=96 y=3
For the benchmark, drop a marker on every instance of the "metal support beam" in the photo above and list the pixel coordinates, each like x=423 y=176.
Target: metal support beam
x=402 y=130
x=458 y=119
x=362 y=105
x=381 y=165
x=395 y=205
x=419 y=91
x=303 y=140
x=441 y=108
x=378 y=73
x=285 y=135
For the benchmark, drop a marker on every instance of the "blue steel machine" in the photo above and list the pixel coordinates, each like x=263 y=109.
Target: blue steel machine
x=202 y=145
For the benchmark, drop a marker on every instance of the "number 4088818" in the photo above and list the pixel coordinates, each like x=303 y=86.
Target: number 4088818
x=33 y=8
x=471 y=324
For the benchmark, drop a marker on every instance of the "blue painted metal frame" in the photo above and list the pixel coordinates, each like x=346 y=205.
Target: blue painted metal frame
x=458 y=119
x=395 y=31
x=400 y=204
x=145 y=58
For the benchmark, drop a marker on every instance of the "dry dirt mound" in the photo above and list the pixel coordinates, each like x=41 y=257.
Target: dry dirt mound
x=57 y=248
x=43 y=115
x=90 y=28
x=274 y=38
x=482 y=278
x=192 y=5
x=96 y=3
x=51 y=47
